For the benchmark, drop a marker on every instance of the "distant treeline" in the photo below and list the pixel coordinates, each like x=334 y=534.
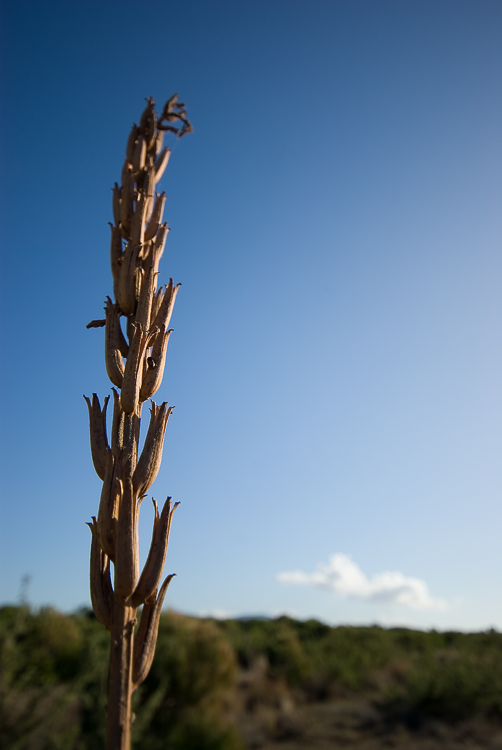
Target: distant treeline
x=208 y=676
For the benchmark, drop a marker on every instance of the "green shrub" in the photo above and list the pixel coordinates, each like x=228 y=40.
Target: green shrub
x=181 y=703
x=448 y=685
x=53 y=676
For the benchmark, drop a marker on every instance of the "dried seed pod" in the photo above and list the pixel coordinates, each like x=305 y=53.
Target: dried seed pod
x=101 y=585
x=122 y=343
x=116 y=254
x=132 y=424
x=138 y=221
x=156 y=303
x=130 y=327
x=139 y=278
x=163 y=316
x=153 y=376
x=126 y=172
x=148 y=184
x=160 y=242
x=146 y=636
x=145 y=251
x=148 y=208
x=99 y=440
x=131 y=384
x=151 y=133
x=152 y=572
x=117 y=436
x=127 y=282
x=117 y=193
x=149 y=462
x=108 y=508
x=130 y=143
x=157 y=143
x=156 y=218
x=126 y=561
x=113 y=358
x=148 y=286
x=139 y=155
x=148 y=122
x=161 y=163
x=126 y=199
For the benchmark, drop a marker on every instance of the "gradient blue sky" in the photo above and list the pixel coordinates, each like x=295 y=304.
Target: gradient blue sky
x=336 y=363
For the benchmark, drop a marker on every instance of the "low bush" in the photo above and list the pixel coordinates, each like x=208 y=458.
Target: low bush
x=53 y=675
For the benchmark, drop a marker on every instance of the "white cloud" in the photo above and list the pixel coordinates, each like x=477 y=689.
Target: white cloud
x=344 y=577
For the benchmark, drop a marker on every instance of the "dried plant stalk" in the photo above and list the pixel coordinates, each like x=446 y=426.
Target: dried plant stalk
x=135 y=365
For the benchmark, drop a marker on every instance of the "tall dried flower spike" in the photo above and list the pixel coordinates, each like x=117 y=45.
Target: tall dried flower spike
x=135 y=359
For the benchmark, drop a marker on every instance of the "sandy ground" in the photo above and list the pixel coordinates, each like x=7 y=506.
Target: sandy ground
x=270 y=717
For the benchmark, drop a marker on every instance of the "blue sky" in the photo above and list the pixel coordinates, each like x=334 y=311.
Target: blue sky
x=335 y=363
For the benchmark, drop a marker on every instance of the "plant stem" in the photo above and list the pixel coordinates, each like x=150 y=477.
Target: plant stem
x=118 y=730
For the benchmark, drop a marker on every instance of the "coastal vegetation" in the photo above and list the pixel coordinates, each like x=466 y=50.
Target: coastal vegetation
x=234 y=684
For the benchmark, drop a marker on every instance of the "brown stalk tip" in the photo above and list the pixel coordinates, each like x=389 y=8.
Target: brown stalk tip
x=96 y=324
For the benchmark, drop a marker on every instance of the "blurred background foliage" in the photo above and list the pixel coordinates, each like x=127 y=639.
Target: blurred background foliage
x=209 y=677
